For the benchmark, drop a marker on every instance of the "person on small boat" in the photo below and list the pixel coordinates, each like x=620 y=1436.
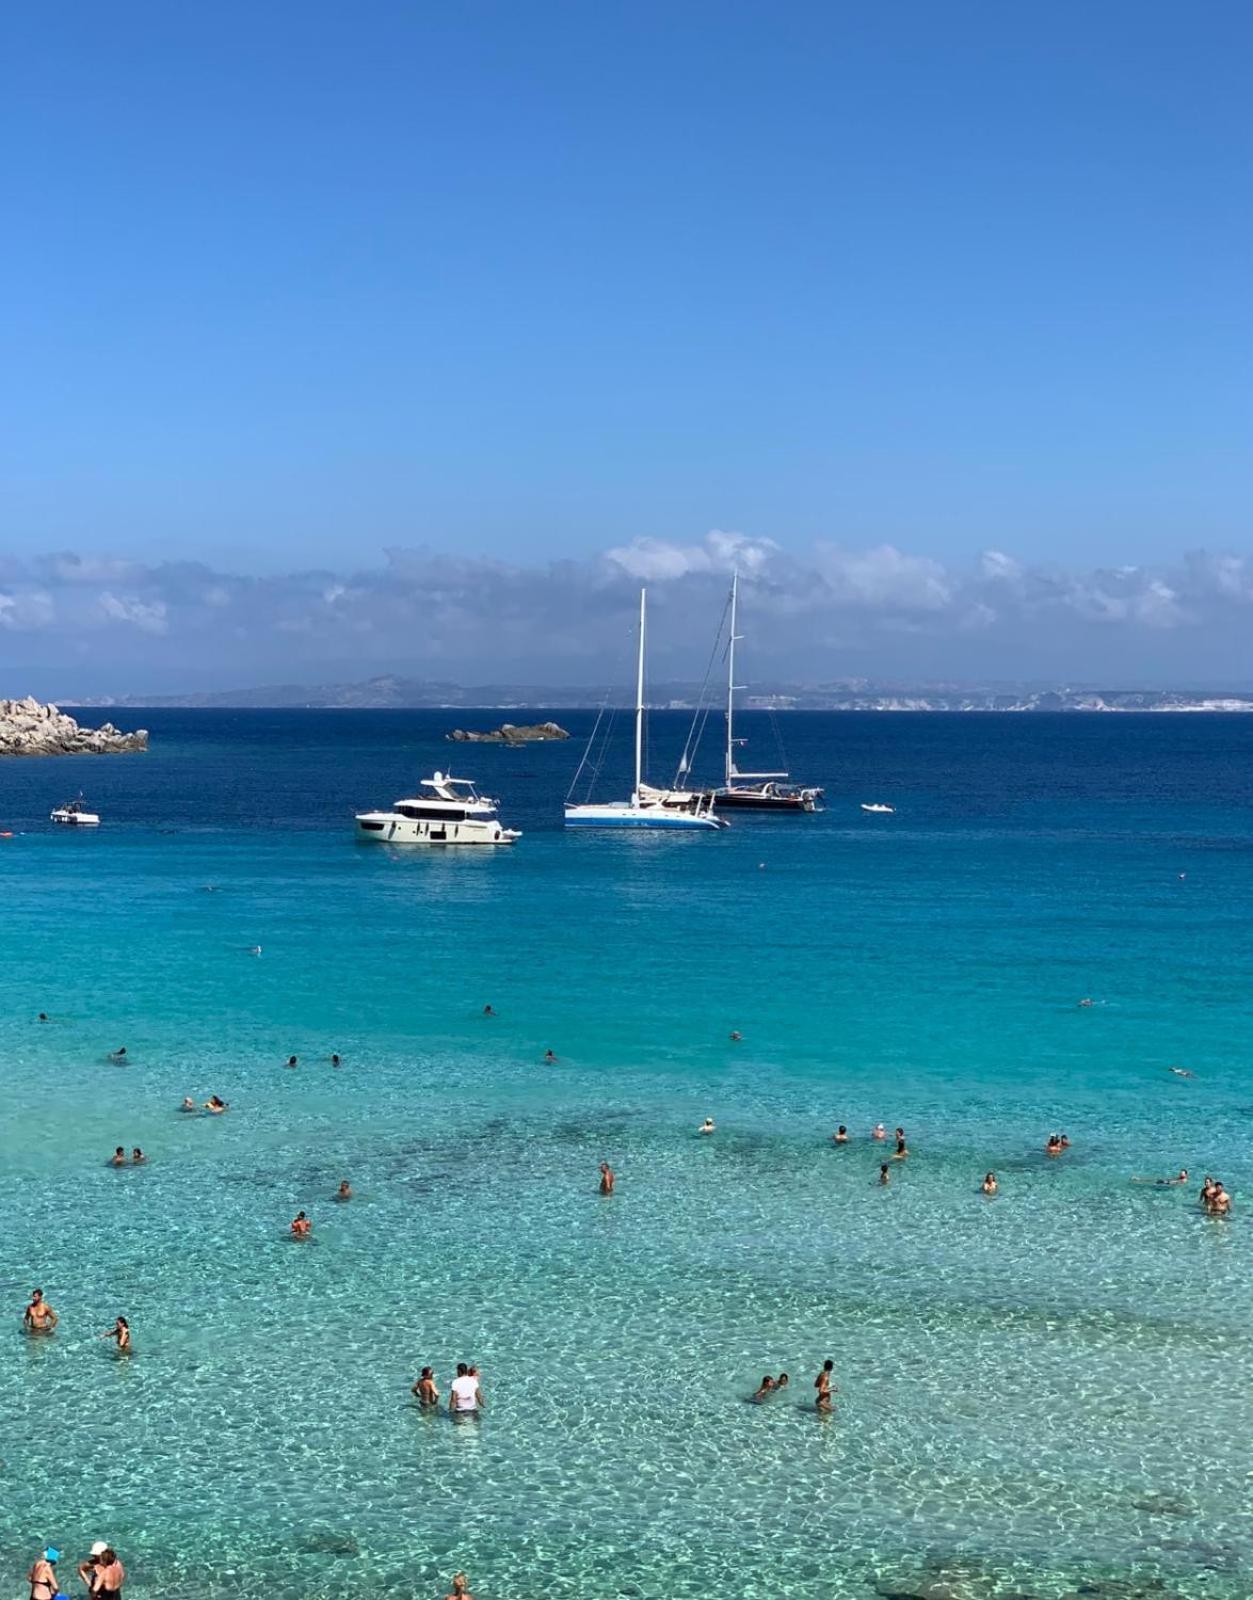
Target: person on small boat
x=606 y=1178
x=344 y=1192
x=301 y=1227
x=39 y=1317
x=120 y=1332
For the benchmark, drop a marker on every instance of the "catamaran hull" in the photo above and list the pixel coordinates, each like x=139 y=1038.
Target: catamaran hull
x=656 y=818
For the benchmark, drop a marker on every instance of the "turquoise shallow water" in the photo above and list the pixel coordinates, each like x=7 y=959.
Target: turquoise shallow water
x=1040 y=1391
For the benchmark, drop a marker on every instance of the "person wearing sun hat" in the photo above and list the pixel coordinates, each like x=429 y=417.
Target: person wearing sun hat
x=42 y=1576
x=87 y=1568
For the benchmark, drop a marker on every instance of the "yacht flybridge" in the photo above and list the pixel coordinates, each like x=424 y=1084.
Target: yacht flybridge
x=453 y=812
x=648 y=807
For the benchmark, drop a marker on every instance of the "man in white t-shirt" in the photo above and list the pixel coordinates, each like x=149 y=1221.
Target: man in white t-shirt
x=464 y=1395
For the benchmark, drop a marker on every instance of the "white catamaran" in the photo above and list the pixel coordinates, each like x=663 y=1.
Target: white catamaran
x=647 y=807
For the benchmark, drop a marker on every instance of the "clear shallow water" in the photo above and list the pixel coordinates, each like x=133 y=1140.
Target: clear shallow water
x=1037 y=1391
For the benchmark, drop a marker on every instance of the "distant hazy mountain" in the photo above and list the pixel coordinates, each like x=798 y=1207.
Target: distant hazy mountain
x=415 y=693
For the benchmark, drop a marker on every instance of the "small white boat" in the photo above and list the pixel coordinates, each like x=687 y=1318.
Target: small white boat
x=879 y=810
x=454 y=812
x=74 y=814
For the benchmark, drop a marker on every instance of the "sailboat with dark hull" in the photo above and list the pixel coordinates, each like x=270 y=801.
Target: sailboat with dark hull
x=754 y=791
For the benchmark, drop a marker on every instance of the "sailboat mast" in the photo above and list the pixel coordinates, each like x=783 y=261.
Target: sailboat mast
x=730 y=762
x=639 y=705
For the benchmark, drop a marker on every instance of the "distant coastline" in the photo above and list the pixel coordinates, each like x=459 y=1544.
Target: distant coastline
x=412 y=694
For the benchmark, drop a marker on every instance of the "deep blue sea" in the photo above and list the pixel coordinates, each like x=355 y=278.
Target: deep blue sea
x=1038 y=1392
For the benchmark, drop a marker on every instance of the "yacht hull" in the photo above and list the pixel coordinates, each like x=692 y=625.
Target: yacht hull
x=763 y=800
x=624 y=816
x=383 y=827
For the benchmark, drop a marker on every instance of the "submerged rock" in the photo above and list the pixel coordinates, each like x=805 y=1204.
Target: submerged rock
x=511 y=733
x=29 y=728
x=328 y=1543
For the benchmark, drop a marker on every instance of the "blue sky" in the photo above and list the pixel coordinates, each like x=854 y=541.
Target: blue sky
x=287 y=287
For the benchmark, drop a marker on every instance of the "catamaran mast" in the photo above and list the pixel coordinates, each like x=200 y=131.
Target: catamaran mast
x=730 y=762
x=639 y=708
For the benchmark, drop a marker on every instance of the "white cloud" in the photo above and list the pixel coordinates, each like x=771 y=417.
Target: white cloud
x=149 y=616
x=832 y=611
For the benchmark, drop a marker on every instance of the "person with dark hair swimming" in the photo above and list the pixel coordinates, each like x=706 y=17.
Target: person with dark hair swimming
x=120 y=1333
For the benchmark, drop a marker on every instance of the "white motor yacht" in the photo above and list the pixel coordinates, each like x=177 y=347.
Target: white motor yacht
x=74 y=814
x=452 y=812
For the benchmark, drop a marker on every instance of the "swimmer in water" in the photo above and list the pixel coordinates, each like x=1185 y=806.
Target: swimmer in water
x=989 y=1185
x=840 y=1136
x=425 y=1389
x=549 y=1055
x=765 y=1391
x=885 y=1175
x=460 y=1588
x=292 y=1061
x=255 y=950
x=824 y=1386
x=606 y=1178
x=707 y=1126
x=878 y=1131
x=335 y=1061
x=119 y=1054
x=344 y=1192
x=1219 y=1200
x=301 y=1227
x=1182 y=1072
x=43 y=1017
x=736 y=1036
x=120 y=1332
x=488 y=1012
x=782 y=1381
x=39 y=1317
x=138 y=1158
x=901 y=1153
x=1207 y=1190
x=1063 y=1141
x=189 y=1104
x=1087 y=1001
x=1054 y=1145
x=1166 y=1183
x=118 y=1158
x=215 y=1105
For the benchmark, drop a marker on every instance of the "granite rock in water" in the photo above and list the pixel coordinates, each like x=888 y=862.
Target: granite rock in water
x=508 y=733
x=28 y=728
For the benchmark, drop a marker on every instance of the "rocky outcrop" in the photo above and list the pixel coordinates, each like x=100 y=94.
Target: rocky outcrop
x=507 y=733
x=28 y=728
